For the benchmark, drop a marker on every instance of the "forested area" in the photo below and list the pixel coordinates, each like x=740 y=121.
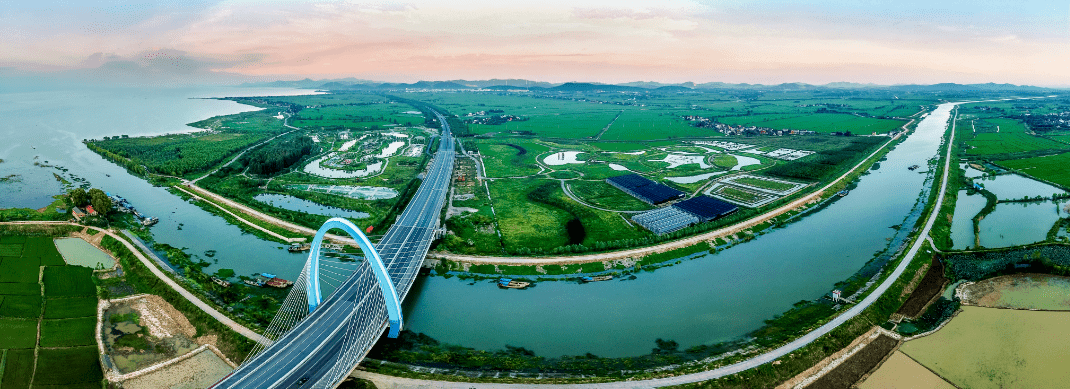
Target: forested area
x=175 y=155
x=824 y=164
x=278 y=156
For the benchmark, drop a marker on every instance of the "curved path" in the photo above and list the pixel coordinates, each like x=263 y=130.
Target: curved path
x=192 y=298
x=387 y=382
x=284 y=123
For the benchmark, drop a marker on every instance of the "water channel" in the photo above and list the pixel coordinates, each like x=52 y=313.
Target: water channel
x=713 y=298
x=702 y=301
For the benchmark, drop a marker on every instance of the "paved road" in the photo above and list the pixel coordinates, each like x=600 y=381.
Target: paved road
x=331 y=340
x=390 y=382
x=170 y=282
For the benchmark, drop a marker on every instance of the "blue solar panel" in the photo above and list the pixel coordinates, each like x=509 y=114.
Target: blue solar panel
x=645 y=189
x=706 y=207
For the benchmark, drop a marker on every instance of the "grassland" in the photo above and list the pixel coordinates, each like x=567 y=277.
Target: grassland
x=997 y=348
x=765 y=184
x=63 y=353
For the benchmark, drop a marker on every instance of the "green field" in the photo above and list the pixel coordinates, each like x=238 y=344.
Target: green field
x=69 y=366
x=63 y=349
x=69 y=281
x=17 y=333
x=65 y=308
x=821 y=122
x=180 y=155
x=737 y=194
x=764 y=184
x=1051 y=168
x=997 y=348
x=601 y=194
x=68 y=332
x=510 y=158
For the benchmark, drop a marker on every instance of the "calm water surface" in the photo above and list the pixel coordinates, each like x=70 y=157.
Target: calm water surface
x=714 y=298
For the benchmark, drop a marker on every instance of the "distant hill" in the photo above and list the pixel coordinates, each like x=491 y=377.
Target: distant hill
x=636 y=86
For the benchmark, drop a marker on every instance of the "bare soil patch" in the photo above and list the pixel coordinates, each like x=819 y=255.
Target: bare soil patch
x=144 y=331
x=930 y=287
x=199 y=371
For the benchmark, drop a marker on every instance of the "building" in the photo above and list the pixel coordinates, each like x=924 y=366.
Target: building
x=689 y=212
x=78 y=213
x=89 y=210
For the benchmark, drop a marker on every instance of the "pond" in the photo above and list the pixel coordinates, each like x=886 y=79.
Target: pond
x=693 y=179
x=966 y=207
x=1013 y=186
x=315 y=169
x=1013 y=224
x=562 y=158
x=78 y=252
x=301 y=205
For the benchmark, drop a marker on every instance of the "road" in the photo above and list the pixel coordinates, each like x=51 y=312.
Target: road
x=284 y=123
x=330 y=341
x=170 y=282
x=389 y=382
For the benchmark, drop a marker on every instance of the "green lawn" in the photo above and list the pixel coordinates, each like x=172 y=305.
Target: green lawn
x=510 y=158
x=68 y=332
x=601 y=194
x=525 y=223
x=764 y=184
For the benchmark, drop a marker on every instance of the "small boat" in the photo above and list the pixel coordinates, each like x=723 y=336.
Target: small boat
x=254 y=283
x=596 y=279
x=508 y=283
x=914 y=167
x=297 y=247
x=843 y=193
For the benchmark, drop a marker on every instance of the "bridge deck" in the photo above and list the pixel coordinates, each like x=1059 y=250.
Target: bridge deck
x=328 y=343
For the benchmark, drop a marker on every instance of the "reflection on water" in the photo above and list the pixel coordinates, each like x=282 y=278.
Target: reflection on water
x=1013 y=187
x=1013 y=224
x=966 y=207
x=301 y=205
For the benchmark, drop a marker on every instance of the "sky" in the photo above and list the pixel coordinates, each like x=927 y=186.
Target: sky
x=670 y=41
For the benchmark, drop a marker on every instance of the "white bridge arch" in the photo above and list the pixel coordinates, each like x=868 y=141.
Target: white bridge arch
x=314 y=291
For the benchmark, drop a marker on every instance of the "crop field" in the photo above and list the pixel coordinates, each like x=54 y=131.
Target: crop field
x=1051 y=168
x=69 y=366
x=997 y=348
x=989 y=143
x=822 y=122
x=68 y=332
x=901 y=372
x=69 y=281
x=65 y=354
x=71 y=307
x=931 y=285
x=851 y=370
x=525 y=223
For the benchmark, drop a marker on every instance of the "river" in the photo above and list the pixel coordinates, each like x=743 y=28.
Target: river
x=709 y=299
x=713 y=298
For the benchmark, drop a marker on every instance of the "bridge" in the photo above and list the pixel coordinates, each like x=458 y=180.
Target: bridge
x=339 y=306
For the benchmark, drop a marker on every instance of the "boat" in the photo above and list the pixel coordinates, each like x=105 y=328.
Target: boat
x=254 y=283
x=297 y=247
x=843 y=193
x=596 y=279
x=508 y=283
x=278 y=283
x=913 y=167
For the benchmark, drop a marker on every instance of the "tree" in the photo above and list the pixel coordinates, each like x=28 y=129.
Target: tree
x=78 y=197
x=100 y=201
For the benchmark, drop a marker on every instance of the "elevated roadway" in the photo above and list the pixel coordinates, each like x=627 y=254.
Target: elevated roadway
x=332 y=339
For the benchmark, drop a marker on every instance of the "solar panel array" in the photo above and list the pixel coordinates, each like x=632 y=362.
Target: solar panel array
x=644 y=189
x=665 y=220
x=706 y=208
x=685 y=213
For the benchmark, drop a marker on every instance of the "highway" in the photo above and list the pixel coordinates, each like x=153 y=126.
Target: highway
x=323 y=348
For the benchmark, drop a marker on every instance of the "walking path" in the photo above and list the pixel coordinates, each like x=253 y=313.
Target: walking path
x=390 y=382
x=284 y=123
x=246 y=332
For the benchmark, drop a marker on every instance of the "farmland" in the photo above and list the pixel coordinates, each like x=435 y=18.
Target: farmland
x=1050 y=168
x=901 y=372
x=39 y=291
x=993 y=348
